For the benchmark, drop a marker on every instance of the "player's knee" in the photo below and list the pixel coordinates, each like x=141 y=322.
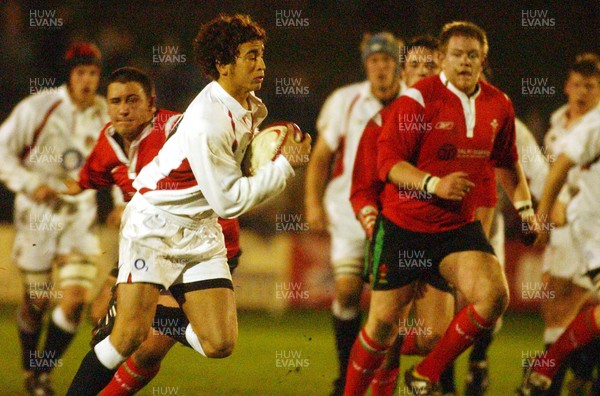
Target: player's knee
x=348 y=290
x=127 y=340
x=499 y=299
x=218 y=349
x=427 y=343
x=384 y=331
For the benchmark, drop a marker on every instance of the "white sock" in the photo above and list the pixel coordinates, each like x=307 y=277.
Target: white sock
x=343 y=313
x=108 y=354
x=551 y=334
x=192 y=338
x=60 y=320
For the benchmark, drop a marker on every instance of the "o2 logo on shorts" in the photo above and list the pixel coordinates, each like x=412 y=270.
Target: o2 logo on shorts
x=72 y=159
x=447 y=152
x=140 y=265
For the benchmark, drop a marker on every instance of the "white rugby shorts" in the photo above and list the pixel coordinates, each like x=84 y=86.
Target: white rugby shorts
x=160 y=248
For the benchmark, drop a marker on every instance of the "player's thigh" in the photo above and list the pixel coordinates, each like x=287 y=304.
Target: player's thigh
x=212 y=314
x=435 y=309
x=476 y=274
x=136 y=308
x=386 y=309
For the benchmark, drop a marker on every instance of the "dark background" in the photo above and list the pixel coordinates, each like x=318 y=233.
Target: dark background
x=324 y=54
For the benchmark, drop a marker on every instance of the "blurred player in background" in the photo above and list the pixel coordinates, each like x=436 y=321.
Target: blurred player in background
x=432 y=306
x=340 y=124
x=561 y=261
x=170 y=237
x=461 y=129
x=575 y=141
x=565 y=263
x=44 y=141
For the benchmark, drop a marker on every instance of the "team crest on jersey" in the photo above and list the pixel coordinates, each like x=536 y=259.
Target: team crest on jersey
x=72 y=159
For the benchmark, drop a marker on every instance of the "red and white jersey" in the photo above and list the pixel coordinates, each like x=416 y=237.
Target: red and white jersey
x=46 y=139
x=197 y=172
x=109 y=165
x=583 y=148
x=440 y=130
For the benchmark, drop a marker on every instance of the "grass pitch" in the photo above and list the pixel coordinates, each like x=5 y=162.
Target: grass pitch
x=288 y=354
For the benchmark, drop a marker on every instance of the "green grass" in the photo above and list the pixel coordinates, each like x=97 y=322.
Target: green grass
x=252 y=369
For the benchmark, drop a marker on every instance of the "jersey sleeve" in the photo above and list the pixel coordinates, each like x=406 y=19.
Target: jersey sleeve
x=219 y=176
x=533 y=161
x=329 y=122
x=397 y=143
x=16 y=134
x=504 y=153
x=366 y=186
x=94 y=173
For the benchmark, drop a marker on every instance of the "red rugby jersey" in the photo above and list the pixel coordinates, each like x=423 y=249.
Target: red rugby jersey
x=440 y=130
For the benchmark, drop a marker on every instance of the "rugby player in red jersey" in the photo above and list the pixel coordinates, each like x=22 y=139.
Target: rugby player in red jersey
x=445 y=136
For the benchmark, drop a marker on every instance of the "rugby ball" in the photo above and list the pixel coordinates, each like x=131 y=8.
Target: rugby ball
x=266 y=145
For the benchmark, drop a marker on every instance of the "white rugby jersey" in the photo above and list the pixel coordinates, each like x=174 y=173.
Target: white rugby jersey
x=46 y=139
x=557 y=138
x=197 y=172
x=583 y=147
x=533 y=161
x=341 y=123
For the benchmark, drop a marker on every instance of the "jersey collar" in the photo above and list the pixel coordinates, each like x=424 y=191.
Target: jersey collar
x=257 y=112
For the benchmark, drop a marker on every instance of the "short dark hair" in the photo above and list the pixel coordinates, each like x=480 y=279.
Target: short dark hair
x=132 y=74
x=466 y=29
x=586 y=64
x=424 y=41
x=218 y=41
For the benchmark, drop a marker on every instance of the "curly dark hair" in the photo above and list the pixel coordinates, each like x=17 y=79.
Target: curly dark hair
x=219 y=39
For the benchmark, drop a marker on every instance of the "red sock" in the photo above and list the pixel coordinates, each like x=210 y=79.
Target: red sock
x=409 y=346
x=580 y=332
x=385 y=381
x=366 y=357
x=466 y=326
x=129 y=379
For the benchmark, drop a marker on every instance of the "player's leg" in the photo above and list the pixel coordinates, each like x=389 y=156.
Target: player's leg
x=212 y=314
x=76 y=275
x=141 y=367
x=585 y=232
x=37 y=230
x=477 y=379
x=477 y=274
x=137 y=304
x=345 y=310
x=376 y=337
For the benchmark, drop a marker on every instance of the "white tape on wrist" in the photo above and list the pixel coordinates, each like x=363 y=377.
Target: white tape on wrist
x=524 y=208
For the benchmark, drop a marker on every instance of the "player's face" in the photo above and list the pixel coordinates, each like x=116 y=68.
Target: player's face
x=462 y=62
x=129 y=109
x=582 y=92
x=83 y=84
x=248 y=71
x=381 y=71
x=420 y=62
